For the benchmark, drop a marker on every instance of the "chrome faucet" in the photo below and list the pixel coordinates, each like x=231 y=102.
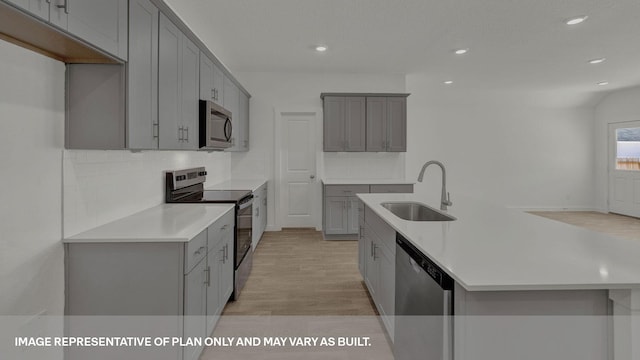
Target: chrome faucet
x=445 y=200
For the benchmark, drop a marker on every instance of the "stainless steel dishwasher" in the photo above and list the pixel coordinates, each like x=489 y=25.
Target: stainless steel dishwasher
x=424 y=307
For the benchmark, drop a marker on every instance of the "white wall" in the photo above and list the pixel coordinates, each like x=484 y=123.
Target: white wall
x=285 y=91
x=102 y=186
x=619 y=106
x=31 y=141
x=510 y=149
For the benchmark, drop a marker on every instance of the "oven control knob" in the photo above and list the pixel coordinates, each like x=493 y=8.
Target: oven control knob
x=202 y=173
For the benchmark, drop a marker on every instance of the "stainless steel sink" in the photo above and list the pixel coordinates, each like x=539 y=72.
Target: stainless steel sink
x=413 y=211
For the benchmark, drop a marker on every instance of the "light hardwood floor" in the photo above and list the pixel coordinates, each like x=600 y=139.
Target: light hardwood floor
x=611 y=224
x=296 y=272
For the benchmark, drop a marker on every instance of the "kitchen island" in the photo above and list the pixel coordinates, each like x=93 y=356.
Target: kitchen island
x=508 y=263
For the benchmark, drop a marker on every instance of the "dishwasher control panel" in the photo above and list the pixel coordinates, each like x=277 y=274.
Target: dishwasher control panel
x=437 y=274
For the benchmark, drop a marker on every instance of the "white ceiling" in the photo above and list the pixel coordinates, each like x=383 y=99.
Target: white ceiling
x=514 y=44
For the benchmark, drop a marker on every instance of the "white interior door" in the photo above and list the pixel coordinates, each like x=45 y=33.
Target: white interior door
x=624 y=168
x=298 y=185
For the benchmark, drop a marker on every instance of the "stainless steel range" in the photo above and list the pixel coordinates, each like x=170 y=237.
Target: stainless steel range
x=187 y=186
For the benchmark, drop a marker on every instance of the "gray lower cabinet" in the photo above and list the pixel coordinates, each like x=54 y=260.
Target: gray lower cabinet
x=342 y=208
x=259 y=214
x=386 y=124
x=100 y=23
x=179 y=88
x=344 y=123
x=376 y=261
x=336 y=214
x=189 y=281
x=142 y=80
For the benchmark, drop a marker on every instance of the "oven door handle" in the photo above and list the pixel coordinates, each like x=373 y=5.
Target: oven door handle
x=245 y=205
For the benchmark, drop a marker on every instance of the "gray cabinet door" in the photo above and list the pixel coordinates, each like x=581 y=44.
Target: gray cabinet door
x=336 y=215
x=361 y=246
x=397 y=124
x=142 y=68
x=195 y=302
x=39 y=8
x=333 y=123
x=354 y=214
x=214 y=306
x=58 y=15
x=243 y=109
x=355 y=123
x=230 y=102
x=99 y=22
x=190 y=91
x=218 y=85
x=226 y=268
x=206 y=78
x=376 y=124
x=371 y=265
x=169 y=88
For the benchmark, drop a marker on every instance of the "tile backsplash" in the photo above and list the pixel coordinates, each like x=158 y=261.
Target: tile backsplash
x=358 y=165
x=102 y=186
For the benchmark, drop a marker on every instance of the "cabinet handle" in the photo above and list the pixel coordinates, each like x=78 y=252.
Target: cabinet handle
x=156 y=132
x=374 y=251
x=213 y=94
x=223 y=256
x=186 y=129
x=264 y=201
x=226 y=252
x=179 y=133
x=197 y=252
x=64 y=6
x=224 y=226
x=207 y=276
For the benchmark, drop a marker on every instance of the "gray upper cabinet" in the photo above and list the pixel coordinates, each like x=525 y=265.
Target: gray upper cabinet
x=206 y=78
x=344 y=123
x=142 y=69
x=231 y=102
x=243 y=114
x=386 y=124
x=218 y=85
x=190 y=90
x=376 y=124
x=333 y=125
x=365 y=122
x=397 y=128
x=99 y=22
x=169 y=66
x=178 y=82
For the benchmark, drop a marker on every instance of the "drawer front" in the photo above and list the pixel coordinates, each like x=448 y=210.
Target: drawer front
x=392 y=188
x=195 y=250
x=385 y=232
x=345 y=190
x=220 y=228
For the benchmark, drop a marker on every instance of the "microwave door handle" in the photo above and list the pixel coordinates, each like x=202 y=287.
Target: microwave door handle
x=228 y=129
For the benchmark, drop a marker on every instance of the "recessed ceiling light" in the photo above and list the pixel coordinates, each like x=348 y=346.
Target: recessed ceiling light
x=603 y=83
x=576 y=20
x=449 y=82
x=460 y=51
x=321 y=48
x=597 y=61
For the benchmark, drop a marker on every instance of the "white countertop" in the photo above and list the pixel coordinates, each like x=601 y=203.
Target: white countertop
x=365 y=181
x=163 y=223
x=239 y=184
x=493 y=248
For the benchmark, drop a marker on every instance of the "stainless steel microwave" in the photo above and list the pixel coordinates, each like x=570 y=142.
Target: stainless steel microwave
x=215 y=126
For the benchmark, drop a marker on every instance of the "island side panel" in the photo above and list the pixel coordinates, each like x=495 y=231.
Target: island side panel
x=528 y=324
x=124 y=278
x=626 y=323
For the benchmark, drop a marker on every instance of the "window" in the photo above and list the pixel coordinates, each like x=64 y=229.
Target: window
x=628 y=149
